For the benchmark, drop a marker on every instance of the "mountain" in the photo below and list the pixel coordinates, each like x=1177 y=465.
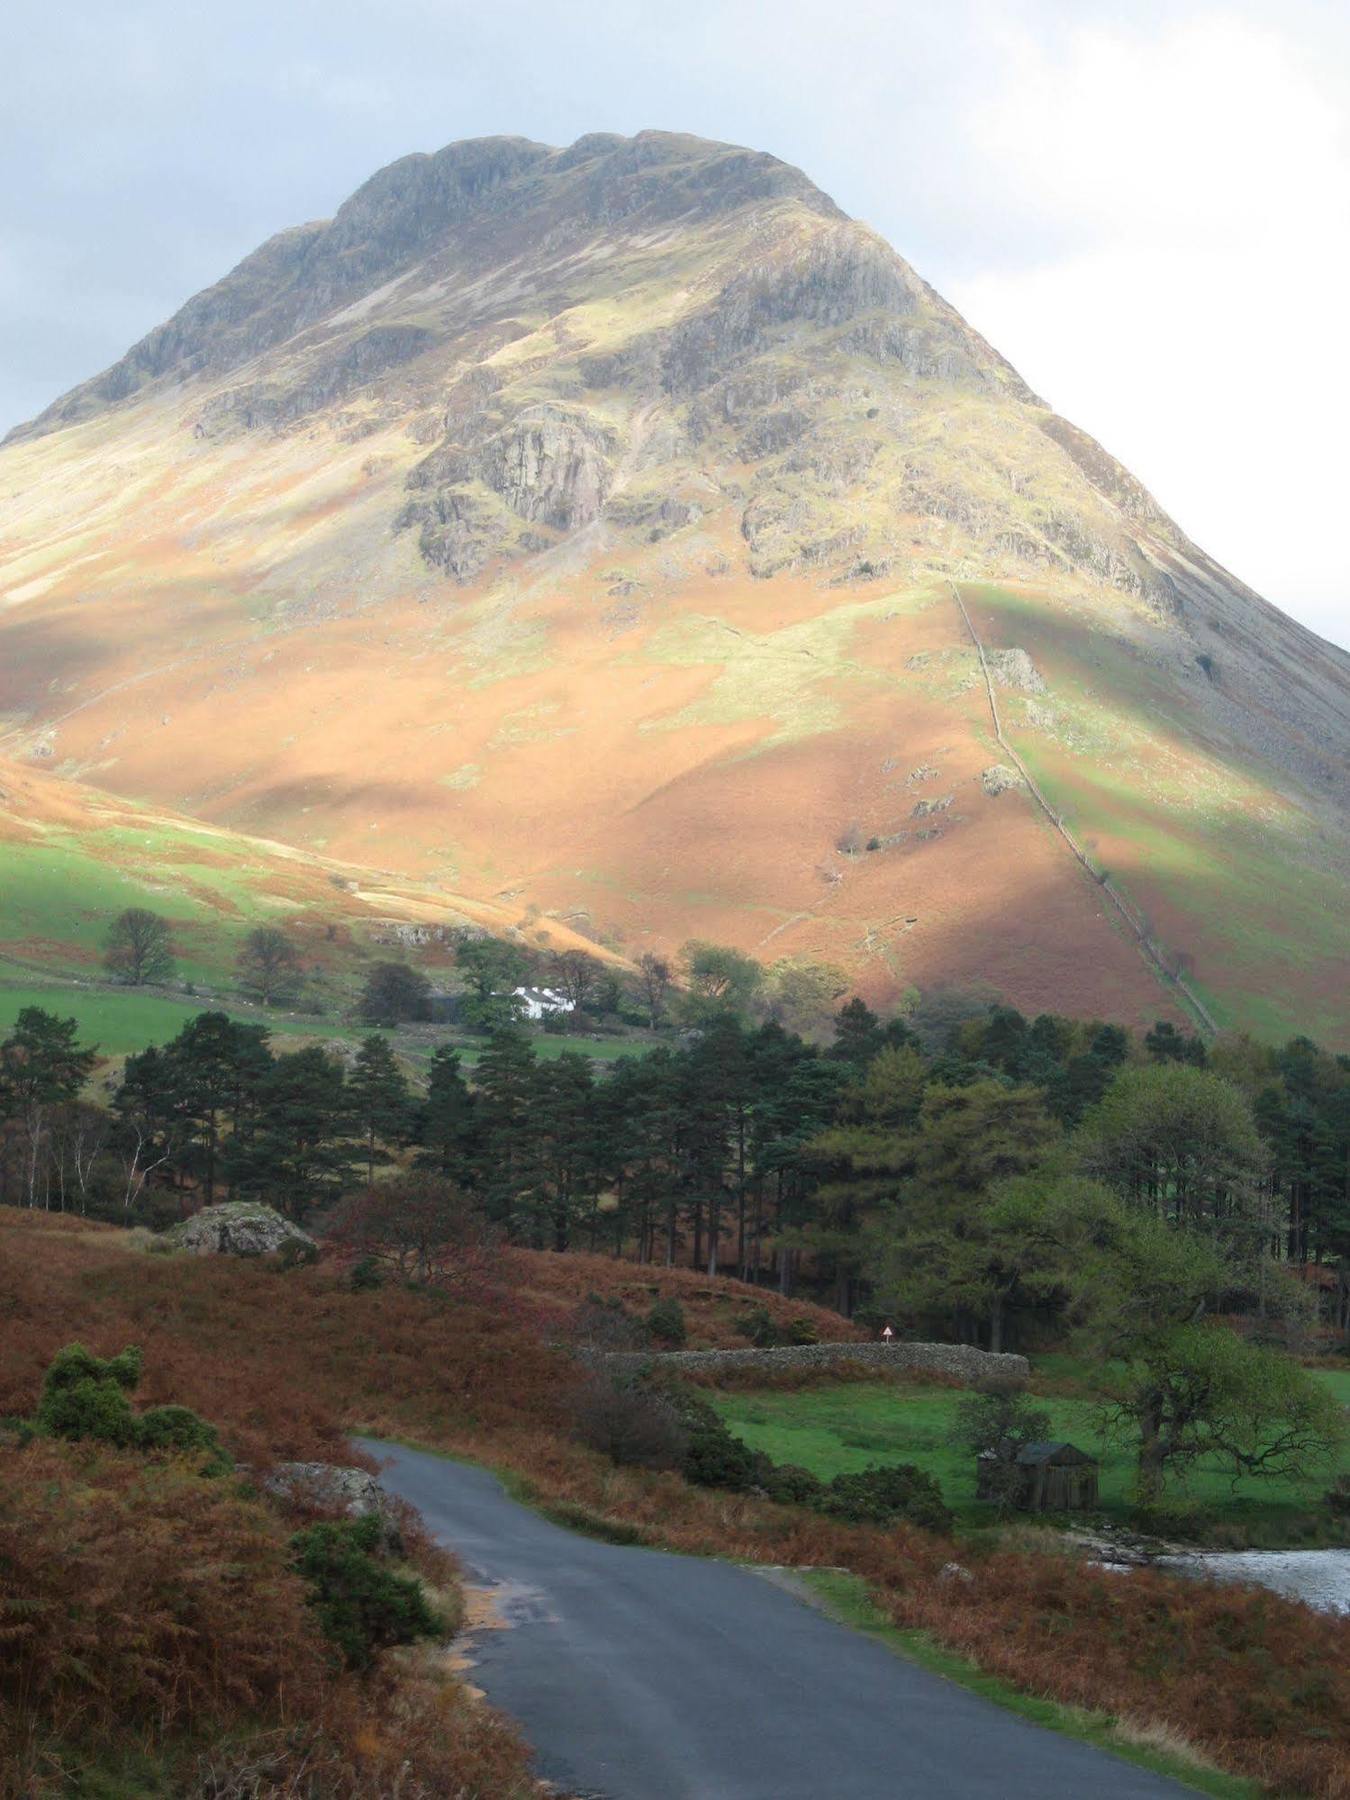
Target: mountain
x=623 y=537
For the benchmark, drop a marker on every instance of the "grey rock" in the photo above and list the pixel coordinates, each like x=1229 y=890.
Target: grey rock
x=1000 y=779
x=237 y=1228
x=354 y=1493
x=548 y=466
x=1014 y=669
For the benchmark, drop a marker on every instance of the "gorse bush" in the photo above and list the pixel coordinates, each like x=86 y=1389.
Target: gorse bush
x=792 y=1485
x=361 y=1605
x=178 y=1428
x=880 y=1496
x=606 y=1324
x=714 y=1457
x=760 y=1326
x=86 y=1398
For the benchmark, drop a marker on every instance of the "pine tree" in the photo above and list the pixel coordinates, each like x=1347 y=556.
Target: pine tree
x=214 y=1070
x=379 y=1101
x=506 y=1091
x=447 y=1119
x=300 y=1156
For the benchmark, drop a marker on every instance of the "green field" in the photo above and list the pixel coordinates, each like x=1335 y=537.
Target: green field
x=120 y=1021
x=58 y=897
x=843 y=1428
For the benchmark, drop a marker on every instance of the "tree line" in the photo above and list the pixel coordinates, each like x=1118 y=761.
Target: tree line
x=741 y=1147
x=656 y=992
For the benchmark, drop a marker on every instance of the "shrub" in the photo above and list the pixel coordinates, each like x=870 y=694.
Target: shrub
x=85 y=1396
x=179 y=1428
x=297 y=1253
x=802 y=1330
x=361 y=1606
x=714 y=1457
x=880 y=1496
x=632 y=1425
x=365 y=1276
x=760 y=1326
x=793 y=1486
x=665 y=1324
x=602 y=1324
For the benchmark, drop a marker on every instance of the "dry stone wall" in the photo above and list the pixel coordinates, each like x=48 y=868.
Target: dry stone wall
x=963 y=1361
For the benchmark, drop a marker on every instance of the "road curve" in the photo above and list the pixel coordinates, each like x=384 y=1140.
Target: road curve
x=644 y=1676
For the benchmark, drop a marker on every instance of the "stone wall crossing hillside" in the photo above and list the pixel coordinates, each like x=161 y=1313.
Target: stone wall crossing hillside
x=960 y=1360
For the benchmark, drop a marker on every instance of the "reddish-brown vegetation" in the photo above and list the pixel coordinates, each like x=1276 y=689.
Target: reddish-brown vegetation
x=285 y=1363
x=714 y=1309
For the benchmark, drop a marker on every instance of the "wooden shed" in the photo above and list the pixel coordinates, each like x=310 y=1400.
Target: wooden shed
x=1048 y=1478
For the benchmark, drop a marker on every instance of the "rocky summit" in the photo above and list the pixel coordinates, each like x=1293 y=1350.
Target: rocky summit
x=623 y=536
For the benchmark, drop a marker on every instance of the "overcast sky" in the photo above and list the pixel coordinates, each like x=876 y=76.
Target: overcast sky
x=1145 y=204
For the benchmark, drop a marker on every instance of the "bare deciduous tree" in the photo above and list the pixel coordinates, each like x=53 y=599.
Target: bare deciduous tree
x=138 y=948
x=653 y=981
x=269 y=965
x=575 y=974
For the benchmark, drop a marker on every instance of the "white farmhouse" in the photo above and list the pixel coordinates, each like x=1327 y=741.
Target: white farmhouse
x=533 y=1003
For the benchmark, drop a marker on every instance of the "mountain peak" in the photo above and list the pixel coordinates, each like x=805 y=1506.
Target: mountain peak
x=507 y=188
x=625 y=528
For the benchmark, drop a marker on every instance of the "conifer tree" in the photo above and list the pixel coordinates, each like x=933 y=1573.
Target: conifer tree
x=379 y=1100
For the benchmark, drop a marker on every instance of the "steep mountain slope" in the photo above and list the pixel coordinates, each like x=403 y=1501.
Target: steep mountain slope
x=585 y=531
x=72 y=858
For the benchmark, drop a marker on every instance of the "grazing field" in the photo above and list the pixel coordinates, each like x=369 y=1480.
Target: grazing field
x=122 y=1021
x=845 y=1428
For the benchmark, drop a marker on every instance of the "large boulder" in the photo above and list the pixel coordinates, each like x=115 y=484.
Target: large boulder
x=239 y=1228
x=352 y=1493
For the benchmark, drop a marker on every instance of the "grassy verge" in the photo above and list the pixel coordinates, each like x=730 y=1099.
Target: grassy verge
x=846 y=1598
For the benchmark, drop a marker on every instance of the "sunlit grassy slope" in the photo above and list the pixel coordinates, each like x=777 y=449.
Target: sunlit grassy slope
x=72 y=859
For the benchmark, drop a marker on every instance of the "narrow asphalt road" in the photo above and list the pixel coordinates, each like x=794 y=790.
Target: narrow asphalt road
x=642 y=1676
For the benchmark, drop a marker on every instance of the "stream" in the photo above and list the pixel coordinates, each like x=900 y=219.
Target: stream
x=1320 y=1578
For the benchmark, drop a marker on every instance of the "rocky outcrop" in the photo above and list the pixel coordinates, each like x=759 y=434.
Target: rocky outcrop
x=549 y=467
x=457 y=531
x=330 y=378
x=238 y=1228
x=331 y=1488
x=1014 y=669
x=841 y=273
x=1000 y=779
